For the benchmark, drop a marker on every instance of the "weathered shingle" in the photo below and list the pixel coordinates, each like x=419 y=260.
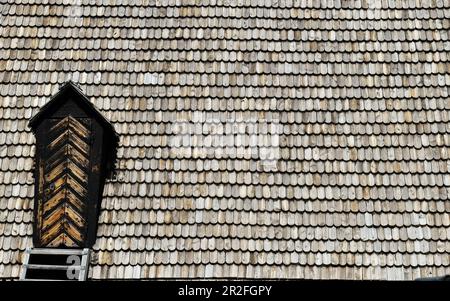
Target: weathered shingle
x=359 y=91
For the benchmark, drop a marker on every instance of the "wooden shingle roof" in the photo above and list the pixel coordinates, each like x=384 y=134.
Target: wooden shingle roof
x=359 y=91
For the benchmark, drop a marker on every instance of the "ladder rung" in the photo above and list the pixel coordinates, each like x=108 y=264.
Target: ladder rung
x=28 y=279
x=56 y=252
x=53 y=267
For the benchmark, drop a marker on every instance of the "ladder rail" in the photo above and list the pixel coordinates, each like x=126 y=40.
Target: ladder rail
x=23 y=272
x=85 y=259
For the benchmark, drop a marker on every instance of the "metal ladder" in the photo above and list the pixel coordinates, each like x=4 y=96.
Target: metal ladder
x=49 y=264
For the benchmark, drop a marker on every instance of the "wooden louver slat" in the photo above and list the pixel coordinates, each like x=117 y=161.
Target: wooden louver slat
x=62 y=214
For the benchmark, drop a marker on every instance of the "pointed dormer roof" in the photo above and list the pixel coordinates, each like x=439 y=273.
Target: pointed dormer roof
x=71 y=90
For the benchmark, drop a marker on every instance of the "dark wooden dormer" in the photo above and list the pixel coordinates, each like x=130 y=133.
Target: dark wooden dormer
x=75 y=154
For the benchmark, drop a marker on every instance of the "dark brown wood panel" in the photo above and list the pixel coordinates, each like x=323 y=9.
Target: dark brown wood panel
x=63 y=208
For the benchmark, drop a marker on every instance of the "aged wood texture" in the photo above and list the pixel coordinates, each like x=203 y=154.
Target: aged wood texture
x=62 y=212
x=361 y=89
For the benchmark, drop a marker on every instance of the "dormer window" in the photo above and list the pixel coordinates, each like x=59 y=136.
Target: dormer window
x=75 y=153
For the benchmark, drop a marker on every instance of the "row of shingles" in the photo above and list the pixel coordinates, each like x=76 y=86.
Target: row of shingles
x=277 y=92
x=215 y=79
x=427 y=37
x=198 y=62
x=387 y=57
x=314 y=175
x=268 y=212
x=369 y=122
x=362 y=147
x=382 y=146
x=189 y=15
x=214 y=237
x=251 y=9
x=356 y=47
x=387 y=212
x=384 y=143
x=164 y=27
x=250 y=205
x=273 y=259
x=305 y=257
x=359 y=4
x=186 y=91
x=383 y=215
x=250 y=14
x=250 y=271
x=435 y=191
x=388 y=74
x=398 y=236
x=21 y=108
x=422 y=87
x=285 y=31
x=358 y=53
x=138 y=84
